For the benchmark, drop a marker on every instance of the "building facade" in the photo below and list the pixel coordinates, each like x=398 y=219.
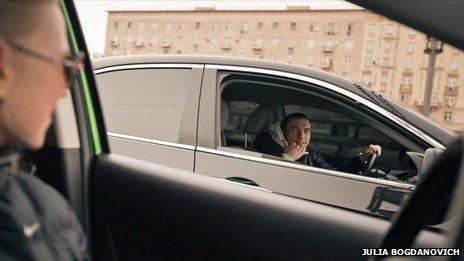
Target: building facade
x=356 y=44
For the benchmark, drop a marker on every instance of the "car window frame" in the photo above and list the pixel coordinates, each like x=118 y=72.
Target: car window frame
x=316 y=82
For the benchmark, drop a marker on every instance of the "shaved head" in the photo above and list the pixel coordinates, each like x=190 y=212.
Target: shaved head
x=22 y=17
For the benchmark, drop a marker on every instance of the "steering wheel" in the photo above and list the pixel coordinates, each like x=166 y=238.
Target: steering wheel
x=367 y=170
x=432 y=193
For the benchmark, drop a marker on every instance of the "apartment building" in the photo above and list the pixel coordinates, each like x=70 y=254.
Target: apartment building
x=357 y=44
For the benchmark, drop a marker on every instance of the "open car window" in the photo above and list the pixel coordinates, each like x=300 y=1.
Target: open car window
x=251 y=105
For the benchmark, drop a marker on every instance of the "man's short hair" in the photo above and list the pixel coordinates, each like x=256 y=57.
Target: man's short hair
x=21 y=17
x=286 y=120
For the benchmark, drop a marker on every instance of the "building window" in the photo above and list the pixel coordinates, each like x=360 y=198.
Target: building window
x=195 y=48
x=259 y=56
x=226 y=41
x=450 y=101
x=197 y=25
x=244 y=27
x=405 y=97
x=389 y=29
x=347 y=59
x=142 y=25
x=242 y=40
x=410 y=47
x=384 y=79
x=366 y=79
x=179 y=52
x=331 y=28
x=152 y=40
x=154 y=25
x=272 y=56
x=129 y=39
x=372 y=28
x=213 y=40
x=293 y=26
x=452 y=83
x=367 y=61
x=180 y=38
x=454 y=65
x=346 y=75
x=329 y=44
x=310 y=61
x=116 y=25
x=311 y=44
x=350 y=29
x=129 y=25
x=260 y=25
x=448 y=116
x=290 y=50
x=387 y=46
x=312 y=27
x=167 y=25
x=407 y=80
x=349 y=44
x=228 y=25
x=274 y=41
x=181 y=26
x=275 y=25
x=408 y=64
x=369 y=45
x=214 y=26
x=386 y=61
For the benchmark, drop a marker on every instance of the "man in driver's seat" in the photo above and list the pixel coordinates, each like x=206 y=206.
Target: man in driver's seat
x=290 y=138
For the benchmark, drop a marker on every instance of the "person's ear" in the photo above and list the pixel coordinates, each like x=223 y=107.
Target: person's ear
x=6 y=66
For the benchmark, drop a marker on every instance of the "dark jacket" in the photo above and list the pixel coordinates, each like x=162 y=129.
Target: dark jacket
x=265 y=143
x=36 y=223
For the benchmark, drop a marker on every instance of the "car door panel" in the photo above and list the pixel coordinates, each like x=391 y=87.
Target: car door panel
x=145 y=211
x=335 y=188
x=325 y=186
x=169 y=154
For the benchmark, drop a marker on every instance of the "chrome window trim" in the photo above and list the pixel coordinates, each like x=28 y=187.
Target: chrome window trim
x=308 y=168
x=147 y=66
x=151 y=141
x=337 y=89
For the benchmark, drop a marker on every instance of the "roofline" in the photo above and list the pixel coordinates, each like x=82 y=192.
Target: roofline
x=240 y=11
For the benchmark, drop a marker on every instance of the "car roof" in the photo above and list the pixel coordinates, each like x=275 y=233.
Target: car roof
x=443 y=136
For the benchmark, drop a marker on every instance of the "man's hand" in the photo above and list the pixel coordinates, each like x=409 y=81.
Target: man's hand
x=371 y=149
x=293 y=150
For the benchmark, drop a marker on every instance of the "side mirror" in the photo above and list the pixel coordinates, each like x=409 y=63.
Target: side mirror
x=430 y=156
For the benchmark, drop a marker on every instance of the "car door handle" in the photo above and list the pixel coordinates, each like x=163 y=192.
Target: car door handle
x=243 y=181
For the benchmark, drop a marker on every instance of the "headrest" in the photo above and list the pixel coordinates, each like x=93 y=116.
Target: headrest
x=261 y=119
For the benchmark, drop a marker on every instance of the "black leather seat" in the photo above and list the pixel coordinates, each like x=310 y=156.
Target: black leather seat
x=260 y=120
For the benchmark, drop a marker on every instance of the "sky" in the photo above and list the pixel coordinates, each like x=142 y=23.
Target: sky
x=93 y=13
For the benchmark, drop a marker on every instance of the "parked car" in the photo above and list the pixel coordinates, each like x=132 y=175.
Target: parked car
x=202 y=113
x=135 y=209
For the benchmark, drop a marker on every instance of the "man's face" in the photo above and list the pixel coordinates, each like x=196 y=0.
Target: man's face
x=298 y=131
x=31 y=92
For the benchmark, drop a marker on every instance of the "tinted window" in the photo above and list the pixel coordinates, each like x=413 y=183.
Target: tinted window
x=146 y=103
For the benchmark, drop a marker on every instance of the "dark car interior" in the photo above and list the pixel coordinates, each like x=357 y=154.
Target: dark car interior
x=251 y=104
x=136 y=210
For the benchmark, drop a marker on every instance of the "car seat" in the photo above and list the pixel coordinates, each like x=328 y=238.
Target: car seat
x=260 y=120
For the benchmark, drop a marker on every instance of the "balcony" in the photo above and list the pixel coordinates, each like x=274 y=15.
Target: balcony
x=165 y=44
x=327 y=64
x=226 y=46
x=138 y=44
x=328 y=49
x=257 y=46
x=115 y=43
x=406 y=88
x=451 y=91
